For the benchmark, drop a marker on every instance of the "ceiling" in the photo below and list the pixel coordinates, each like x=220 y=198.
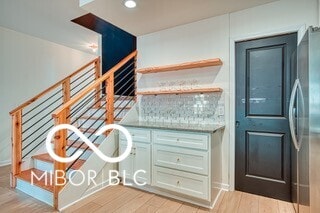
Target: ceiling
x=49 y=20
x=154 y=15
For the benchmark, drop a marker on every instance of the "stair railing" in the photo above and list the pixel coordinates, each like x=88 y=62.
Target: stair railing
x=32 y=120
x=117 y=85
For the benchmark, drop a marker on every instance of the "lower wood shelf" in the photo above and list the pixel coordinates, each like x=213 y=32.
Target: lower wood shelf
x=202 y=90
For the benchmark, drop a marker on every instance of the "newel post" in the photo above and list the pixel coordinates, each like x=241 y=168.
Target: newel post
x=110 y=99
x=97 y=76
x=66 y=88
x=16 y=155
x=60 y=144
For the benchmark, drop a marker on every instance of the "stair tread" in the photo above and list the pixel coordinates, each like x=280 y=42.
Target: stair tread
x=127 y=107
x=96 y=118
x=47 y=158
x=79 y=144
x=123 y=97
x=26 y=176
x=93 y=130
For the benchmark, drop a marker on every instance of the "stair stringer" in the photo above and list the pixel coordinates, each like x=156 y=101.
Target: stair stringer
x=71 y=194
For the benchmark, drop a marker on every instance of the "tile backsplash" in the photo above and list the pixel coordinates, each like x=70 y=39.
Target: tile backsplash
x=205 y=108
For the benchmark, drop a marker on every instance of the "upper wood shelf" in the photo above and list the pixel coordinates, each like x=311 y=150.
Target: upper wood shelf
x=202 y=90
x=183 y=66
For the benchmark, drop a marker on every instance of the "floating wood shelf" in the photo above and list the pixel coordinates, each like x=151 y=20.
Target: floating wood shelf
x=183 y=66
x=203 y=90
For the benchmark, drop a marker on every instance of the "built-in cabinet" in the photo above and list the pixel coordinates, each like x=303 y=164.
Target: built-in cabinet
x=139 y=158
x=178 y=164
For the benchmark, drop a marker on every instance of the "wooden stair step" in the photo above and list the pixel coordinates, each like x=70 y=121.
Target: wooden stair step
x=78 y=144
x=127 y=107
x=92 y=118
x=92 y=130
x=89 y=131
x=47 y=158
x=123 y=97
x=95 y=118
x=42 y=183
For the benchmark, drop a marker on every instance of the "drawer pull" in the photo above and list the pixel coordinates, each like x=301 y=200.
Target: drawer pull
x=178 y=159
x=178 y=182
x=178 y=140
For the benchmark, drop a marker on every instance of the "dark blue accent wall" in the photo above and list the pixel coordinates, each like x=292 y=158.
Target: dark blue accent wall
x=116 y=43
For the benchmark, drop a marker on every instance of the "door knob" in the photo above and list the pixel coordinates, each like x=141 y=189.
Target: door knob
x=237 y=123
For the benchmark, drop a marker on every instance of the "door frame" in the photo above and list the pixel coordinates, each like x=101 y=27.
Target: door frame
x=300 y=30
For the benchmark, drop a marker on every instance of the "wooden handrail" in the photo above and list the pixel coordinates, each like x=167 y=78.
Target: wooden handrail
x=94 y=85
x=41 y=94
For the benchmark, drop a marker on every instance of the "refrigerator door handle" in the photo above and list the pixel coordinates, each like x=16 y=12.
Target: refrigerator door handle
x=302 y=113
x=291 y=114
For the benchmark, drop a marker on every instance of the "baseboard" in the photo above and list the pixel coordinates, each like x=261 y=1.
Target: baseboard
x=5 y=163
x=223 y=186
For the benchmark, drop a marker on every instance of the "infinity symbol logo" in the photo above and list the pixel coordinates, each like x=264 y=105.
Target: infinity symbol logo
x=88 y=142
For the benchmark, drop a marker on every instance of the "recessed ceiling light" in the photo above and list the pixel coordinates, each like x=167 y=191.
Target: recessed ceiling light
x=130 y=3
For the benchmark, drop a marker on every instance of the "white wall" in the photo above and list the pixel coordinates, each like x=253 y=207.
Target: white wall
x=210 y=38
x=28 y=66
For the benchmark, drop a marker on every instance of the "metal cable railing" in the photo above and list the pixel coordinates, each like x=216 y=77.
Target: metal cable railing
x=89 y=114
x=96 y=111
x=32 y=120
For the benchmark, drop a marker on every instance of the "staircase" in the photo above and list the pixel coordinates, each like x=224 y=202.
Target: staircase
x=84 y=99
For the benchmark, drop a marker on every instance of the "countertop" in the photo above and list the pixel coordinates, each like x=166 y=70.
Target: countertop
x=207 y=128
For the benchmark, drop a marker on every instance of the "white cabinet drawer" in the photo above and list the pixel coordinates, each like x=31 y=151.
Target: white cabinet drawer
x=182 y=139
x=140 y=135
x=182 y=159
x=181 y=182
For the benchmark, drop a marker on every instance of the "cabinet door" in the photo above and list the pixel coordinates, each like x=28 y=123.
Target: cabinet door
x=126 y=166
x=142 y=161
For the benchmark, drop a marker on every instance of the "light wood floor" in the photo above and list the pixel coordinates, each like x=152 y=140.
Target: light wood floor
x=123 y=199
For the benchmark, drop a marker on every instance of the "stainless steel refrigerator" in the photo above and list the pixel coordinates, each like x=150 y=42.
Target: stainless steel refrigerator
x=304 y=118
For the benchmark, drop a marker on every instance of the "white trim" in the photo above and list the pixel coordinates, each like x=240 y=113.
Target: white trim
x=318 y=12
x=5 y=163
x=216 y=199
x=223 y=186
x=102 y=185
x=300 y=29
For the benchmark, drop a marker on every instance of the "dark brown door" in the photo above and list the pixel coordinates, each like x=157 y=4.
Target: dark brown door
x=264 y=78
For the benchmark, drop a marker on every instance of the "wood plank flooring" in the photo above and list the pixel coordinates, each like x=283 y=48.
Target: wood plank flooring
x=122 y=199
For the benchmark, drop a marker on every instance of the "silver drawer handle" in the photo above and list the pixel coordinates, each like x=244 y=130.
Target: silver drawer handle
x=178 y=182
x=178 y=159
